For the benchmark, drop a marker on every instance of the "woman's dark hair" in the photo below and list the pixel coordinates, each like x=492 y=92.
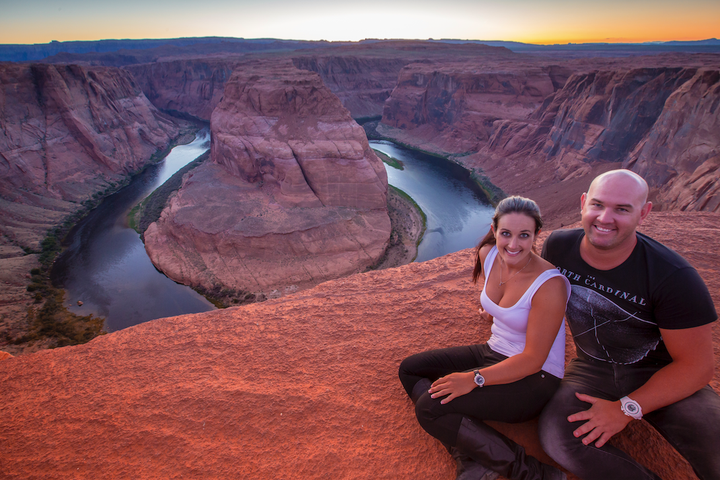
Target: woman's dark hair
x=512 y=204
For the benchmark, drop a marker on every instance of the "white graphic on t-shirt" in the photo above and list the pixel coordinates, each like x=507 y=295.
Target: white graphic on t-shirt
x=605 y=331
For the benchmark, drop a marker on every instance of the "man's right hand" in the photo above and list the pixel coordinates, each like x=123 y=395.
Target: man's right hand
x=604 y=419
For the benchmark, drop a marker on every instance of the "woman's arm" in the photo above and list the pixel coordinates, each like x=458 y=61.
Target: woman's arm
x=482 y=255
x=546 y=315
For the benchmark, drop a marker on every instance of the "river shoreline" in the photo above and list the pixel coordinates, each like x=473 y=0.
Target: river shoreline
x=408 y=227
x=33 y=312
x=493 y=193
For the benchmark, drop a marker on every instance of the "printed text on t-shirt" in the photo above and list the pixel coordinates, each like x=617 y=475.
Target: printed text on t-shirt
x=590 y=282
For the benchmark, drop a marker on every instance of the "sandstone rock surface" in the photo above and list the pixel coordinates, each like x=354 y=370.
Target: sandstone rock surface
x=303 y=386
x=67 y=132
x=294 y=195
x=188 y=86
x=362 y=83
x=656 y=116
x=455 y=105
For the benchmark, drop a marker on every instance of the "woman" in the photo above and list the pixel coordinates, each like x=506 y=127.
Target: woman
x=513 y=375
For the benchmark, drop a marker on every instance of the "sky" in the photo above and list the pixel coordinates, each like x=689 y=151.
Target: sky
x=529 y=21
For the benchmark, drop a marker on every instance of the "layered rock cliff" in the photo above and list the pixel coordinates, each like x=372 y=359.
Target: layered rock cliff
x=661 y=121
x=456 y=106
x=294 y=195
x=362 y=83
x=66 y=133
x=188 y=86
x=304 y=386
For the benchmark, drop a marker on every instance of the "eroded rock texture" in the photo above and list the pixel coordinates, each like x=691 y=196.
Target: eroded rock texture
x=304 y=386
x=67 y=132
x=187 y=86
x=294 y=195
x=457 y=106
x=538 y=131
x=361 y=83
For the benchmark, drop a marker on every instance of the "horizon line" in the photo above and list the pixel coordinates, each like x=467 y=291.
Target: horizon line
x=549 y=44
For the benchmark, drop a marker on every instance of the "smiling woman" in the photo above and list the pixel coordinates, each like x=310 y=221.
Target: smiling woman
x=455 y=389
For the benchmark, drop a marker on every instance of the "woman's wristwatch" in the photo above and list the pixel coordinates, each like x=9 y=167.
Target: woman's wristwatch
x=479 y=379
x=631 y=408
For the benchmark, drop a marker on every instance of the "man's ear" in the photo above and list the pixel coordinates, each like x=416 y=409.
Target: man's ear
x=583 y=197
x=644 y=212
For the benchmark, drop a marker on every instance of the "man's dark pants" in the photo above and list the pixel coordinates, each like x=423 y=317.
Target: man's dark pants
x=691 y=425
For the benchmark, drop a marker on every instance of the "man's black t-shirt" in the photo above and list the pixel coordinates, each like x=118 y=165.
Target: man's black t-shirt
x=615 y=315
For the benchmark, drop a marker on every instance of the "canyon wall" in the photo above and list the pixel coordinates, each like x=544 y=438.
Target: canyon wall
x=540 y=137
x=456 y=106
x=294 y=195
x=66 y=133
x=361 y=83
x=195 y=86
x=189 y=86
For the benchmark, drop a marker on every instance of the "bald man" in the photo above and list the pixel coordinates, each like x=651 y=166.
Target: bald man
x=641 y=318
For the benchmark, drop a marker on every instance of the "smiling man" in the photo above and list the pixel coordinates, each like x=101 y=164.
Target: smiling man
x=641 y=318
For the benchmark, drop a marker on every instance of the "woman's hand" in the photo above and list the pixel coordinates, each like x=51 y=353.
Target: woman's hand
x=453 y=385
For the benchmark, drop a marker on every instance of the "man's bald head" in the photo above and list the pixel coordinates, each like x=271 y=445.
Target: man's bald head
x=628 y=179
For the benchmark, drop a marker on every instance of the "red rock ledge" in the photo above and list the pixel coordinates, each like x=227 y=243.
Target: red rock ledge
x=304 y=386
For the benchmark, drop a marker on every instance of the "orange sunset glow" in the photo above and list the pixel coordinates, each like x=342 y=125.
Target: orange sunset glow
x=541 y=22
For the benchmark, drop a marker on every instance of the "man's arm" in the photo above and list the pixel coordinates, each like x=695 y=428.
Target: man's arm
x=692 y=368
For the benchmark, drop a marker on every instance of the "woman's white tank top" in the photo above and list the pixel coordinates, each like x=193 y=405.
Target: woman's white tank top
x=510 y=324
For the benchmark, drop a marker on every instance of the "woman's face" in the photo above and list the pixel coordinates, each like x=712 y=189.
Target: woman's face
x=514 y=237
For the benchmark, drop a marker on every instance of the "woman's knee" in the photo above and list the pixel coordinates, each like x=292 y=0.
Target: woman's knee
x=425 y=409
x=407 y=375
x=437 y=420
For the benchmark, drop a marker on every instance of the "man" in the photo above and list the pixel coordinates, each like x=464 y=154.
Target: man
x=640 y=317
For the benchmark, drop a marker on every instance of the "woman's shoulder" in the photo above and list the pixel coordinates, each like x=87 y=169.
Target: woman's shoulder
x=553 y=280
x=485 y=250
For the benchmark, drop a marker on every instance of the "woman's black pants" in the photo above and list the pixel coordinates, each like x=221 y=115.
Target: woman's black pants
x=511 y=403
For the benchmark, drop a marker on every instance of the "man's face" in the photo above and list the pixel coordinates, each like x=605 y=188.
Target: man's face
x=611 y=211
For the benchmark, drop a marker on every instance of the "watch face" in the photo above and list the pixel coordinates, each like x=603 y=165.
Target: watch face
x=479 y=380
x=631 y=408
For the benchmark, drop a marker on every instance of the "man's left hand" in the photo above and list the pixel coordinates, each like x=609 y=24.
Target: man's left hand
x=604 y=419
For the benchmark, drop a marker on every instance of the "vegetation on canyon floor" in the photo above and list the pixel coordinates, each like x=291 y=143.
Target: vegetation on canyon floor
x=224 y=297
x=493 y=193
x=420 y=211
x=400 y=205
x=48 y=318
x=391 y=161
x=150 y=208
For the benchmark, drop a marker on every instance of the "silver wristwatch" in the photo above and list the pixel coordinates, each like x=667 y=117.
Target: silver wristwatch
x=479 y=379
x=631 y=408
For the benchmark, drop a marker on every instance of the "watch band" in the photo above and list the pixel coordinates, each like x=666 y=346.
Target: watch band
x=631 y=408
